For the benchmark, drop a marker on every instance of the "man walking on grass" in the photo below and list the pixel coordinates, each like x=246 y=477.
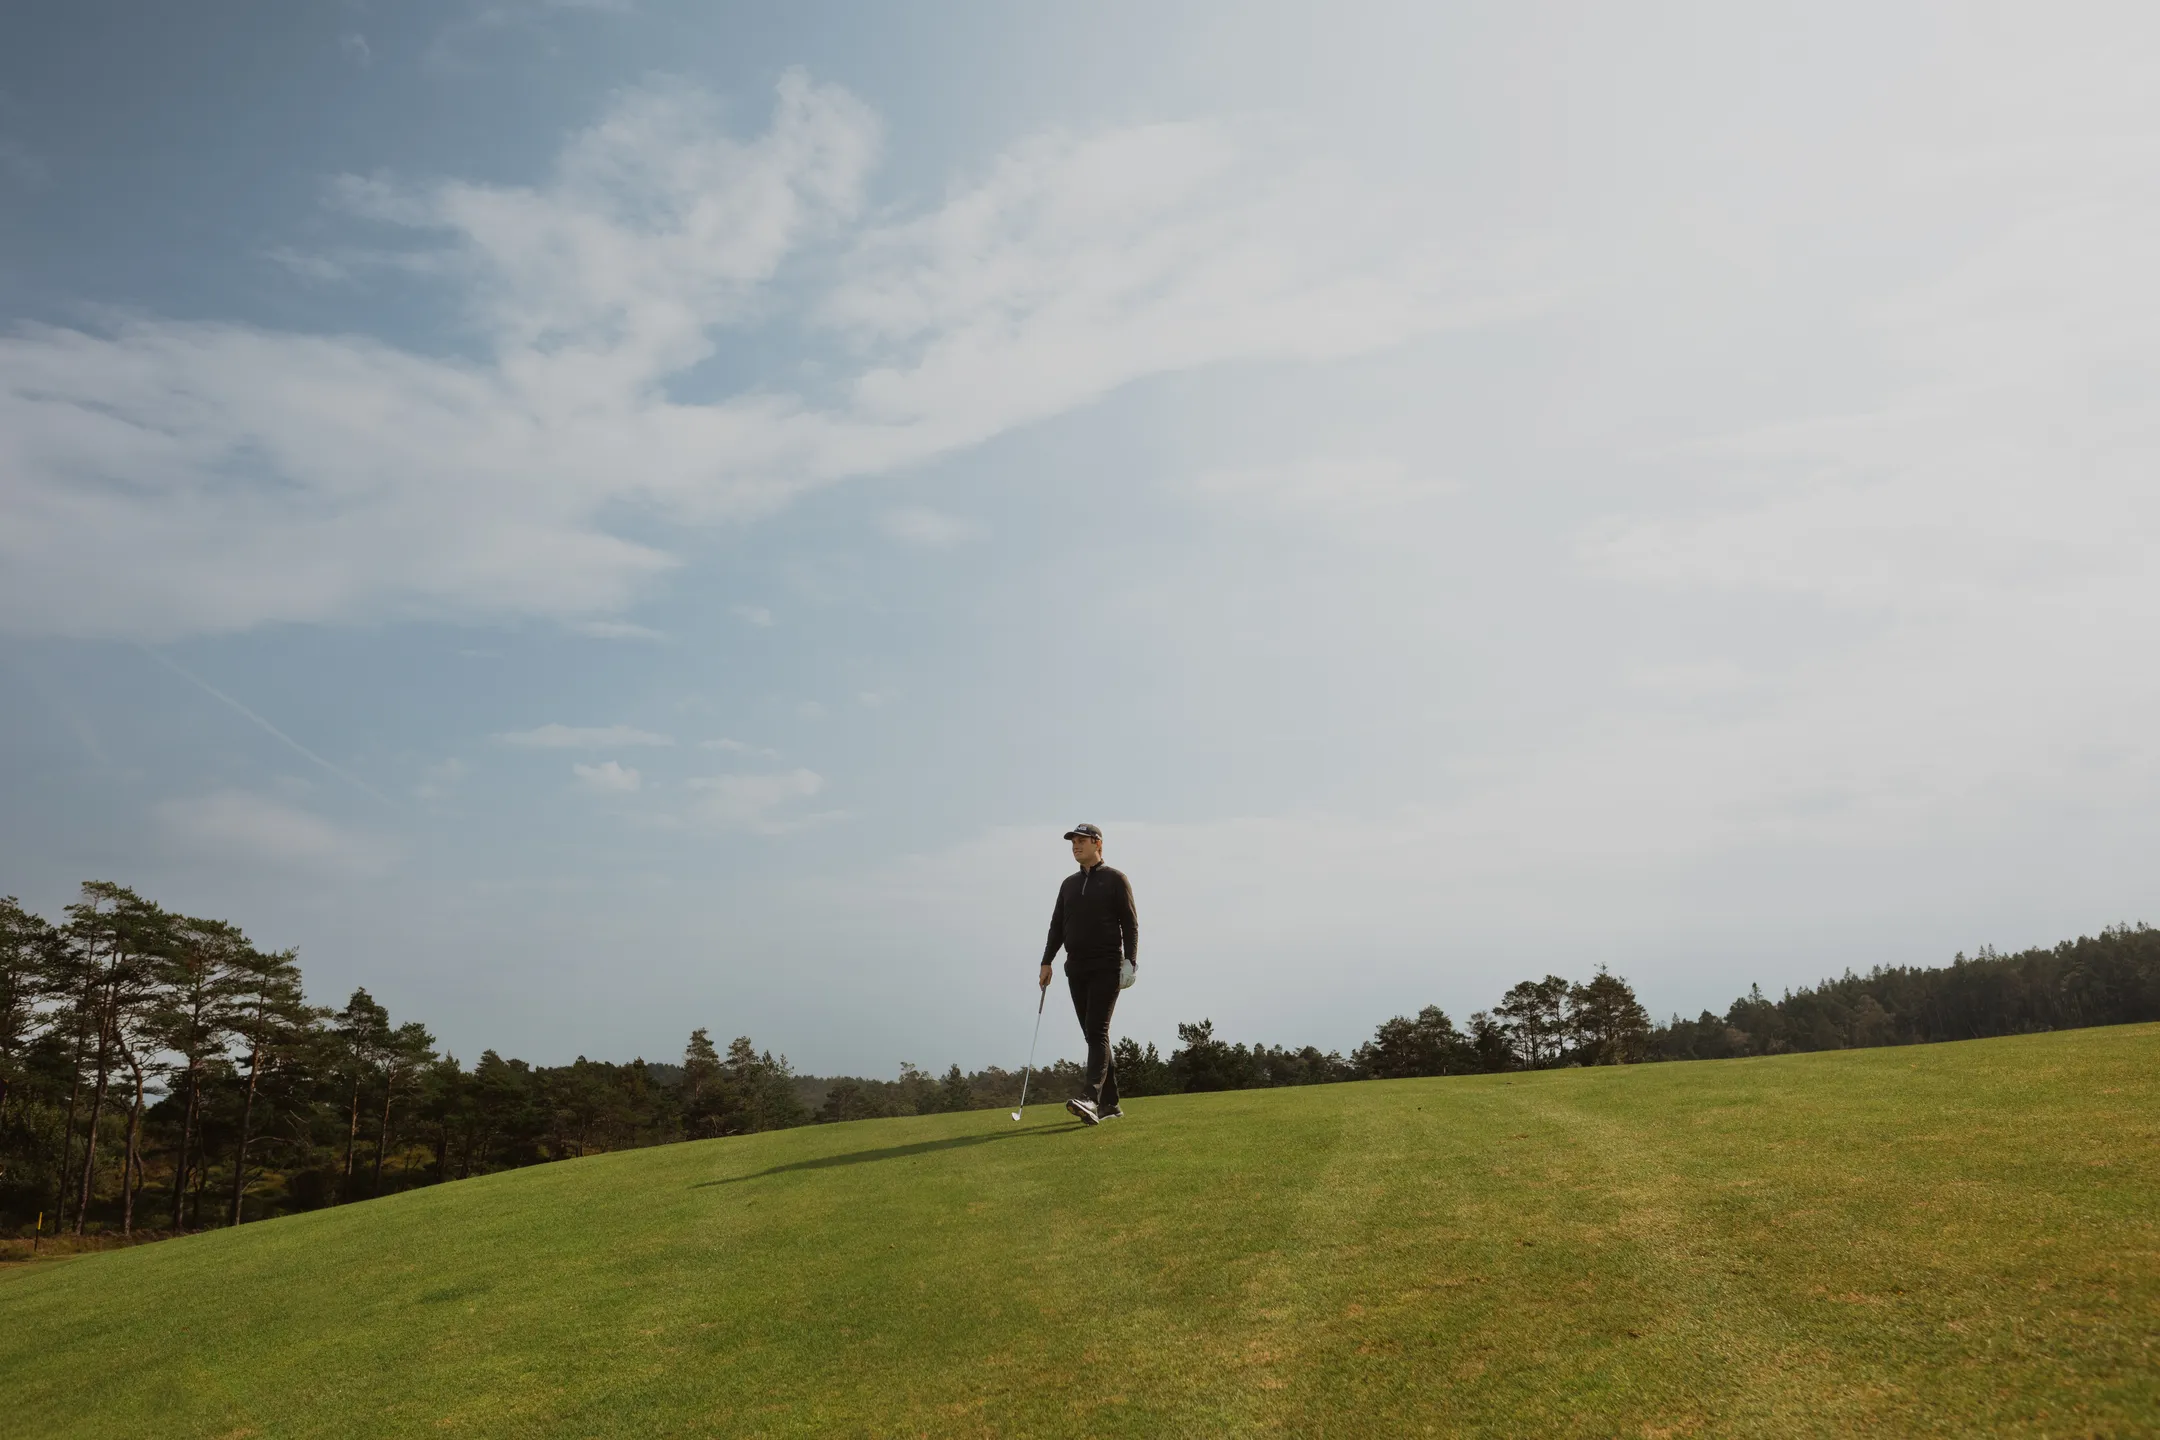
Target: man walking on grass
x=1096 y=923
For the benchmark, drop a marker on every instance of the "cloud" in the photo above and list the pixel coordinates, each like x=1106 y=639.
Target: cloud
x=1079 y=264
x=654 y=229
x=258 y=828
x=752 y=802
x=1991 y=515
x=581 y=737
x=736 y=747
x=352 y=264
x=500 y=24
x=230 y=475
x=1903 y=691
x=2008 y=459
x=930 y=529
x=1930 y=594
x=165 y=478
x=756 y=615
x=1342 y=485
x=308 y=265
x=614 y=630
x=355 y=47
x=609 y=777
x=439 y=780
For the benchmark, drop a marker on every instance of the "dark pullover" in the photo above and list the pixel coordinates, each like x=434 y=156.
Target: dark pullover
x=1094 y=920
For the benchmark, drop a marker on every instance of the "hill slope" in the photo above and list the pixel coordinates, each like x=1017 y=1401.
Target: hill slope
x=1953 y=1238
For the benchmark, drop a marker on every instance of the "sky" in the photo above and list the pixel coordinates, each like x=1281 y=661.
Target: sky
x=594 y=519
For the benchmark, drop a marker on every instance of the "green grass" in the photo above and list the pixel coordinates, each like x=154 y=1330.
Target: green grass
x=1956 y=1239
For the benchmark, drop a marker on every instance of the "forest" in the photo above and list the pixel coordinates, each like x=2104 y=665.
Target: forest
x=160 y=1073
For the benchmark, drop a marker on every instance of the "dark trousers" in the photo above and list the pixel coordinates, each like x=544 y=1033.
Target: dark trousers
x=1094 y=997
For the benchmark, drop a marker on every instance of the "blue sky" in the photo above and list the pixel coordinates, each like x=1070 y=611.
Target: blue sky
x=596 y=519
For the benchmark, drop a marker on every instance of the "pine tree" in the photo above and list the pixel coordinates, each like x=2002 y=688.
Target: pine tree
x=445 y=1101
x=1489 y=1042
x=1534 y=1013
x=27 y=946
x=271 y=1020
x=1141 y=1071
x=404 y=1057
x=193 y=1023
x=954 y=1092
x=359 y=1034
x=704 y=1098
x=1202 y=1062
x=1609 y=1023
x=1402 y=1048
x=113 y=934
x=763 y=1087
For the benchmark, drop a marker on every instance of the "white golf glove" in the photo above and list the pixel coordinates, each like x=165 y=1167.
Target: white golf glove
x=1127 y=972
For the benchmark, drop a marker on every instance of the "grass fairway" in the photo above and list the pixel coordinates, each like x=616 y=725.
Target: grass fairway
x=1956 y=1239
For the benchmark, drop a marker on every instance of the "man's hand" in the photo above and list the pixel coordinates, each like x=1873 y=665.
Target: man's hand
x=1042 y=982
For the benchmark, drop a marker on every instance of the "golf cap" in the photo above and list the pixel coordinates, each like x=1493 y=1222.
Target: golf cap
x=1088 y=830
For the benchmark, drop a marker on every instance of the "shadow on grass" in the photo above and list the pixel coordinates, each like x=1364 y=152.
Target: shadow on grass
x=892 y=1152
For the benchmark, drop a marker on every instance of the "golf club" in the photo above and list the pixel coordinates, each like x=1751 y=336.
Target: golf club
x=1025 y=1074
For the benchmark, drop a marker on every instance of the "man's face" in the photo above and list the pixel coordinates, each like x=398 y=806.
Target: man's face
x=1087 y=850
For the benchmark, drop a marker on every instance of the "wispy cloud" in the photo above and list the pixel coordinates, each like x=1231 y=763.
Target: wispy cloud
x=222 y=476
x=931 y=529
x=260 y=829
x=756 y=615
x=1077 y=264
x=1998 y=477
x=1339 y=485
x=440 y=779
x=227 y=475
x=736 y=747
x=354 y=47
x=609 y=777
x=614 y=630
x=1984 y=533
x=758 y=803
x=310 y=265
x=489 y=25
x=353 y=264
x=582 y=737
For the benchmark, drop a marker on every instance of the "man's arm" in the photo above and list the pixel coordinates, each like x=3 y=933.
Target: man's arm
x=1129 y=925
x=1057 y=931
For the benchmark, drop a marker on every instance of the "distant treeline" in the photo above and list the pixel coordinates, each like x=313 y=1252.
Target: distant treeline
x=159 y=1073
x=2112 y=978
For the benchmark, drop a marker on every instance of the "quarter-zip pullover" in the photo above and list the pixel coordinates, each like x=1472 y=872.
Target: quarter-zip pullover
x=1094 y=920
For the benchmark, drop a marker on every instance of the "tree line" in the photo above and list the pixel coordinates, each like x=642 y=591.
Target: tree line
x=161 y=1073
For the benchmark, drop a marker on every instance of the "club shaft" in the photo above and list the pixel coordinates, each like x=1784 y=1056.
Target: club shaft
x=1029 y=1073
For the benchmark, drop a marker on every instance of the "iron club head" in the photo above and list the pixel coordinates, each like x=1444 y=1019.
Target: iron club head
x=1016 y=1114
